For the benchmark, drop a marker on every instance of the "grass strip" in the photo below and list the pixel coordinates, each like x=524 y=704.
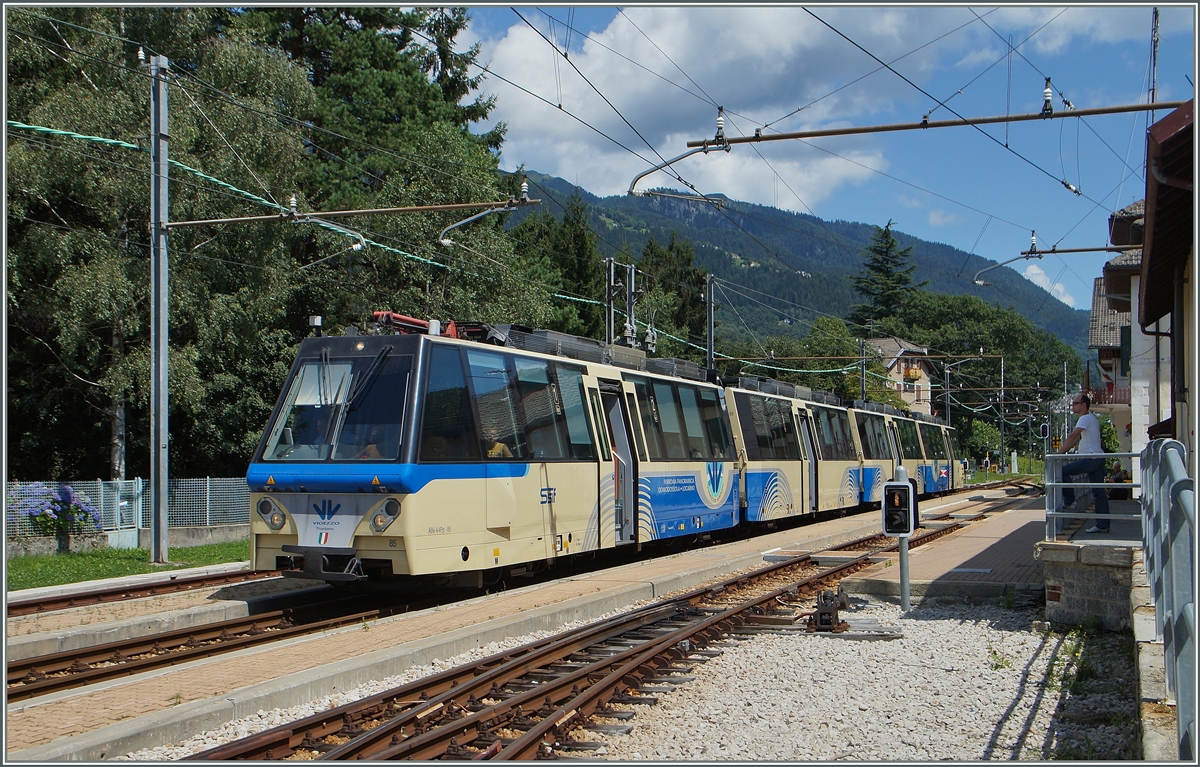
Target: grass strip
x=56 y=569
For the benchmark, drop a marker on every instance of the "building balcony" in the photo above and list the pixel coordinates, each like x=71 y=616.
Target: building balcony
x=1110 y=395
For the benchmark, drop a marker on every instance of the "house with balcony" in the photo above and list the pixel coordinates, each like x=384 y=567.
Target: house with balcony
x=1107 y=380
x=1166 y=290
x=909 y=368
x=1143 y=311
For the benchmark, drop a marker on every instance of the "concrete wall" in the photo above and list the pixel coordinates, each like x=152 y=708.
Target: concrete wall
x=1149 y=389
x=183 y=537
x=177 y=538
x=1083 y=581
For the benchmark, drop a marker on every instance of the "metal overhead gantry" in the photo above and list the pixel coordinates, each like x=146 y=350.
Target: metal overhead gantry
x=926 y=123
x=719 y=142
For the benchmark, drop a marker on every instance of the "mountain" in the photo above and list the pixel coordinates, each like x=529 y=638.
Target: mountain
x=788 y=268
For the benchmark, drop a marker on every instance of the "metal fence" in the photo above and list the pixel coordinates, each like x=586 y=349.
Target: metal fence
x=125 y=504
x=1168 y=539
x=1055 y=485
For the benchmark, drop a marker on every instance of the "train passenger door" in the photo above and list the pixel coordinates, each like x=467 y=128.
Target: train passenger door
x=616 y=500
x=804 y=429
x=624 y=461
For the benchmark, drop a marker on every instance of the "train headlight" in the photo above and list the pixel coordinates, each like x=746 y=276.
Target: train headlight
x=386 y=515
x=271 y=514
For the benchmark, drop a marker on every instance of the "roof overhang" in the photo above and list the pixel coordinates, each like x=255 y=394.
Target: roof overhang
x=1118 y=281
x=1170 y=220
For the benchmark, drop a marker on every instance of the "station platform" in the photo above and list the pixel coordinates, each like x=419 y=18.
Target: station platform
x=987 y=557
x=991 y=556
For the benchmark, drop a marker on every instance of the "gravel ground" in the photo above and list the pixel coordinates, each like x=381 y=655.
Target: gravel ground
x=963 y=682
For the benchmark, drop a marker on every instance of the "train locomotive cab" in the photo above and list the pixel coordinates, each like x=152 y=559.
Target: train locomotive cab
x=327 y=479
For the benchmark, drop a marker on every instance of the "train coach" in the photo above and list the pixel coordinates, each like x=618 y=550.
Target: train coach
x=472 y=450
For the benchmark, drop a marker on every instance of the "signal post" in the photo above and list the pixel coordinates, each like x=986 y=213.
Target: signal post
x=899 y=521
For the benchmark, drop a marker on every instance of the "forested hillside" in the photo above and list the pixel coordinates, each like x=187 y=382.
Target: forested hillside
x=360 y=109
x=801 y=262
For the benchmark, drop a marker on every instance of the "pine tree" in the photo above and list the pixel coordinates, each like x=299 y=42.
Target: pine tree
x=886 y=281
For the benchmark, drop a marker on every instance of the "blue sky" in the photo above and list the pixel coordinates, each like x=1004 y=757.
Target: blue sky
x=650 y=77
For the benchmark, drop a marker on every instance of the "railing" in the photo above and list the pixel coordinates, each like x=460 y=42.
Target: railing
x=1168 y=507
x=1119 y=395
x=1055 y=486
x=125 y=504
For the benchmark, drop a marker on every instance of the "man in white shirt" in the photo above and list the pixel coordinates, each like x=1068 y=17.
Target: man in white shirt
x=1087 y=435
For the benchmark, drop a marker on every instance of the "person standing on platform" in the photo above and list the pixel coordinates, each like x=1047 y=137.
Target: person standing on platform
x=1087 y=435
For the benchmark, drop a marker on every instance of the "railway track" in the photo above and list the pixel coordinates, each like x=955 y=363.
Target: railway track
x=532 y=701
x=42 y=675
x=39 y=605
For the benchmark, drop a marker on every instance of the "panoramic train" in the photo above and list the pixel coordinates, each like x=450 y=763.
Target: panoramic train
x=472 y=450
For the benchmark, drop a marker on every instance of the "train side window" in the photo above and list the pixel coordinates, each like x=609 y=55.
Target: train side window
x=570 y=386
x=716 y=423
x=602 y=424
x=833 y=433
x=669 y=421
x=495 y=398
x=841 y=421
x=648 y=411
x=951 y=444
x=745 y=409
x=545 y=428
x=637 y=433
x=871 y=435
x=783 y=436
x=694 y=437
x=762 y=427
x=935 y=444
x=447 y=426
x=910 y=444
x=801 y=449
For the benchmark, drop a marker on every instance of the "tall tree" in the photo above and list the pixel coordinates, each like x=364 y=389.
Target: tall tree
x=886 y=281
x=673 y=271
x=369 y=67
x=78 y=210
x=563 y=254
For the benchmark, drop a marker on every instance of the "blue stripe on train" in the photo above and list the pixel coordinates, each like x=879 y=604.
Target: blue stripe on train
x=359 y=477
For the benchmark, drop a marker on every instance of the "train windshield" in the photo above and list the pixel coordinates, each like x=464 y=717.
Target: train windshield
x=347 y=409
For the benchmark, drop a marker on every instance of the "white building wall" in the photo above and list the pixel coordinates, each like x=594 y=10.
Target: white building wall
x=1148 y=403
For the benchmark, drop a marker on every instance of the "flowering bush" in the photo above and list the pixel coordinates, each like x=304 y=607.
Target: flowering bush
x=57 y=512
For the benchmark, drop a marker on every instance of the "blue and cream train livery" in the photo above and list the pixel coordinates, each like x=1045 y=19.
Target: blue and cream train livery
x=473 y=449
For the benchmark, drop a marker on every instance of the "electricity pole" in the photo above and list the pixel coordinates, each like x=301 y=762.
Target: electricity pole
x=631 y=298
x=610 y=289
x=862 y=369
x=710 y=355
x=159 y=433
x=1002 y=446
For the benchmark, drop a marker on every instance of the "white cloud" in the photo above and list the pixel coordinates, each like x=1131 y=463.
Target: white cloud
x=942 y=218
x=1034 y=274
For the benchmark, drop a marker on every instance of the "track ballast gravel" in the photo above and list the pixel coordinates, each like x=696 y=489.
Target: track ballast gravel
x=963 y=682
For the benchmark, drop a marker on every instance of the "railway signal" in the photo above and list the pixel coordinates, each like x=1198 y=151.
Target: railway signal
x=897 y=509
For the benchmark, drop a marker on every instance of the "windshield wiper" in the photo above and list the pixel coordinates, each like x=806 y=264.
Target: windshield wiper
x=360 y=387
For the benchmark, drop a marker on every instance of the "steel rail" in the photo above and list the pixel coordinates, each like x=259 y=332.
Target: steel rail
x=37 y=605
x=34 y=677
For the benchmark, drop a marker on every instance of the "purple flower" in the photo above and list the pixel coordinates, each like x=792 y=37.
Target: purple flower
x=61 y=511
